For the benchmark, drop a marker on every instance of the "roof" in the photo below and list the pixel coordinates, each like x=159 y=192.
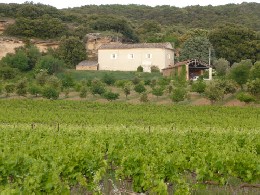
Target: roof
x=136 y=46
x=192 y=64
x=88 y=63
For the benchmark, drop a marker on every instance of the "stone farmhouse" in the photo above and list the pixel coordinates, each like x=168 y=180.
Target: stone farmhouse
x=127 y=57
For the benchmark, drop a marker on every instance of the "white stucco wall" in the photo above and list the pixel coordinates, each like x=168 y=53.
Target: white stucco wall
x=159 y=57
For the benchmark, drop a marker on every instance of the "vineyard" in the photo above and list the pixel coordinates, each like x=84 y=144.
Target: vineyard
x=80 y=147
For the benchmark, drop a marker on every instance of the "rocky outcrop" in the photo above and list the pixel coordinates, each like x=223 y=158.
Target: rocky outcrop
x=95 y=40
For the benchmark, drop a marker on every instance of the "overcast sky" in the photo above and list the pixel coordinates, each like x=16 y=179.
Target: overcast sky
x=177 y=3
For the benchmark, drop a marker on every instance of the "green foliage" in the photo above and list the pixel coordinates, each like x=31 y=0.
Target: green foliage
x=21 y=87
x=44 y=27
x=119 y=25
x=158 y=91
x=41 y=77
x=109 y=95
x=140 y=69
x=53 y=82
x=109 y=79
x=34 y=90
x=18 y=60
x=120 y=83
x=83 y=92
x=253 y=87
x=245 y=97
x=235 y=43
x=222 y=66
x=214 y=92
x=97 y=87
x=127 y=89
x=178 y=94
x=51 y=64
x=196 y=48
x=7 y=73
x=140 y=88
x=50 y=93
x=72 y=50
x=76 y=145
x=198 y=86
x=239 y=72
x=155 y=69
x=67 y=81
x=255 y=71
x=9 y=88
x=144 y=97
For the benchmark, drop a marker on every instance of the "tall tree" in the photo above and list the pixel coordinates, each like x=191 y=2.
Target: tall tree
x=196 y=48
x=72 y=50
x=235 y=43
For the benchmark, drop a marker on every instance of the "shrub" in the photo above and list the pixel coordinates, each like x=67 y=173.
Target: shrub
x=198 y=86
x=245 y=97
x=213 y=92
x=9 y=88
x=120 y=83
x=157 y=91
x=109 y=95
x=178 y=94
x=35 y=90
x=144 y=97
x=155 y=69
x=109 y=79
x=140 y=69
x=21 y=87
x=50 y=93
x=8 y=73
x=83 y=92
x=139 y=88
x=97 y=87
x=127 y=90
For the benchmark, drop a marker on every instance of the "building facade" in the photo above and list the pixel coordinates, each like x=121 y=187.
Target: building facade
x=127 y=57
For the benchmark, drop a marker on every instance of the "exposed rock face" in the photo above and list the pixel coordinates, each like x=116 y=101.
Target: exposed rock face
x=8 y=45
x=95 y=40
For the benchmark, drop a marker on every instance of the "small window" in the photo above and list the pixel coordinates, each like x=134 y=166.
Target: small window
x=149 y=56
x=131 y=56
x=169 y=56
x=114 y=56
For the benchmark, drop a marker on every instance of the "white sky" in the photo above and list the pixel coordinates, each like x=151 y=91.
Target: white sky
x=178 y=3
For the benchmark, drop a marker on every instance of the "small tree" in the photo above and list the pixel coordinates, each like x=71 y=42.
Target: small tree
x=50 y=93
x=157 y=91
x=199 y=86
x=140 y=88
x=245 y=97
x=222 y=66
x=54 y=82
x=83 y=92
x=109 y=95
x=127 y=90
x=51 y=64
x=97 y=87
x=255 y=71
x=7 y=72
x=34 y=90
x=21 y=87
x=239 y=72
x=144 y=97
x=41 y=77
x=109 y=79
x=155 y=69
x=140 y=69
x=178 y=94
x=9 y=88
x=213 y=92
x=253 y=87
x=67 y=81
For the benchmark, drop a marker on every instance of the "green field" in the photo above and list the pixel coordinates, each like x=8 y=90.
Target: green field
x=78 y=147
x=119 y=75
